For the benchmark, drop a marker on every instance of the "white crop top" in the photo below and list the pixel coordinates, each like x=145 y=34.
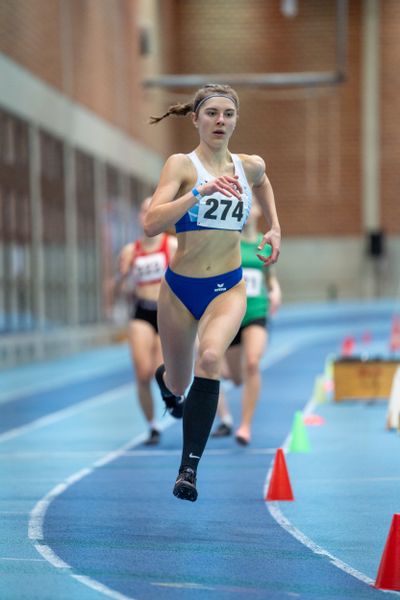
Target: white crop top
x=217 y=211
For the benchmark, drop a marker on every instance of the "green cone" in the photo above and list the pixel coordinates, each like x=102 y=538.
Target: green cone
x=299 y=441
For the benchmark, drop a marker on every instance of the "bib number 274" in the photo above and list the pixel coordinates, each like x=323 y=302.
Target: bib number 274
x=224 y=209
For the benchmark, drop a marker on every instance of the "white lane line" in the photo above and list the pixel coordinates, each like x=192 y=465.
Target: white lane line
x=35 y=527
x=65 y=413
x=99 y=587
x=276 y=513
x=37 y=515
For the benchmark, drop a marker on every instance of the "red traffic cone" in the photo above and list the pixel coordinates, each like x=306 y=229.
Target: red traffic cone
x=395 y=334
x=388 y=577
x=279 y=485
x=348 y=346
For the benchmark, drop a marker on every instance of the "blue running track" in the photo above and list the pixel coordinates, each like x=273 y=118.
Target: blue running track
x=87 y=510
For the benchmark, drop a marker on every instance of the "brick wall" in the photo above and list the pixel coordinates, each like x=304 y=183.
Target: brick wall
x=88 y=50
x=30 y=35
x=390 y=122
x=309 y=138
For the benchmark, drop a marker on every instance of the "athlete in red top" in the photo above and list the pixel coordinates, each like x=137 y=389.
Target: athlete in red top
x=143 y=264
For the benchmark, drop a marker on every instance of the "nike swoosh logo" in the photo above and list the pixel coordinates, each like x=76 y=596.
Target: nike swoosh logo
x=193 y=456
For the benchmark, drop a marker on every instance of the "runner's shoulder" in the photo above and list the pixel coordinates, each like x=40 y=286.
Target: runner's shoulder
x=180 y=166
x=254 y=167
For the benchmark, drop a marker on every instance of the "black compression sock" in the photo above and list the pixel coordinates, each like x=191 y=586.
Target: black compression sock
x=198 y=416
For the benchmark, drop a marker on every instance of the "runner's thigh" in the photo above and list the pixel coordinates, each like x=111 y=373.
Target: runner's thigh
x=177 y=329
x=221 y=320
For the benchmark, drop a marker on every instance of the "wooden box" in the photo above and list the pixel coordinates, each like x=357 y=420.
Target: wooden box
x=358 y=379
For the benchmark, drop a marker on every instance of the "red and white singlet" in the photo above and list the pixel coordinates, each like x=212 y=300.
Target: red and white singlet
x=149 y=266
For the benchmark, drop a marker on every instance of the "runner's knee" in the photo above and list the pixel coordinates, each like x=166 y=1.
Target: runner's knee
x=252 y=365
x=209 y=362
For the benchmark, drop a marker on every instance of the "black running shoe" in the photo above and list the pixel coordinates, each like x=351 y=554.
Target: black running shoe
x=153 y=439
x=185 y=485
x=173 y=404
x=223 y=430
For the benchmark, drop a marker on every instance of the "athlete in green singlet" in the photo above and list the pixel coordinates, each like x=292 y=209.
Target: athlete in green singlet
x=245 y=352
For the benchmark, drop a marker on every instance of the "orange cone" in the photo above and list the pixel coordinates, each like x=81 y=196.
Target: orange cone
x=388 y=577
x=279 y=485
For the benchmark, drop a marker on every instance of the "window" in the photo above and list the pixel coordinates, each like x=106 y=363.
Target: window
x=87 y=247
x=54 y=230
x=16 y=297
